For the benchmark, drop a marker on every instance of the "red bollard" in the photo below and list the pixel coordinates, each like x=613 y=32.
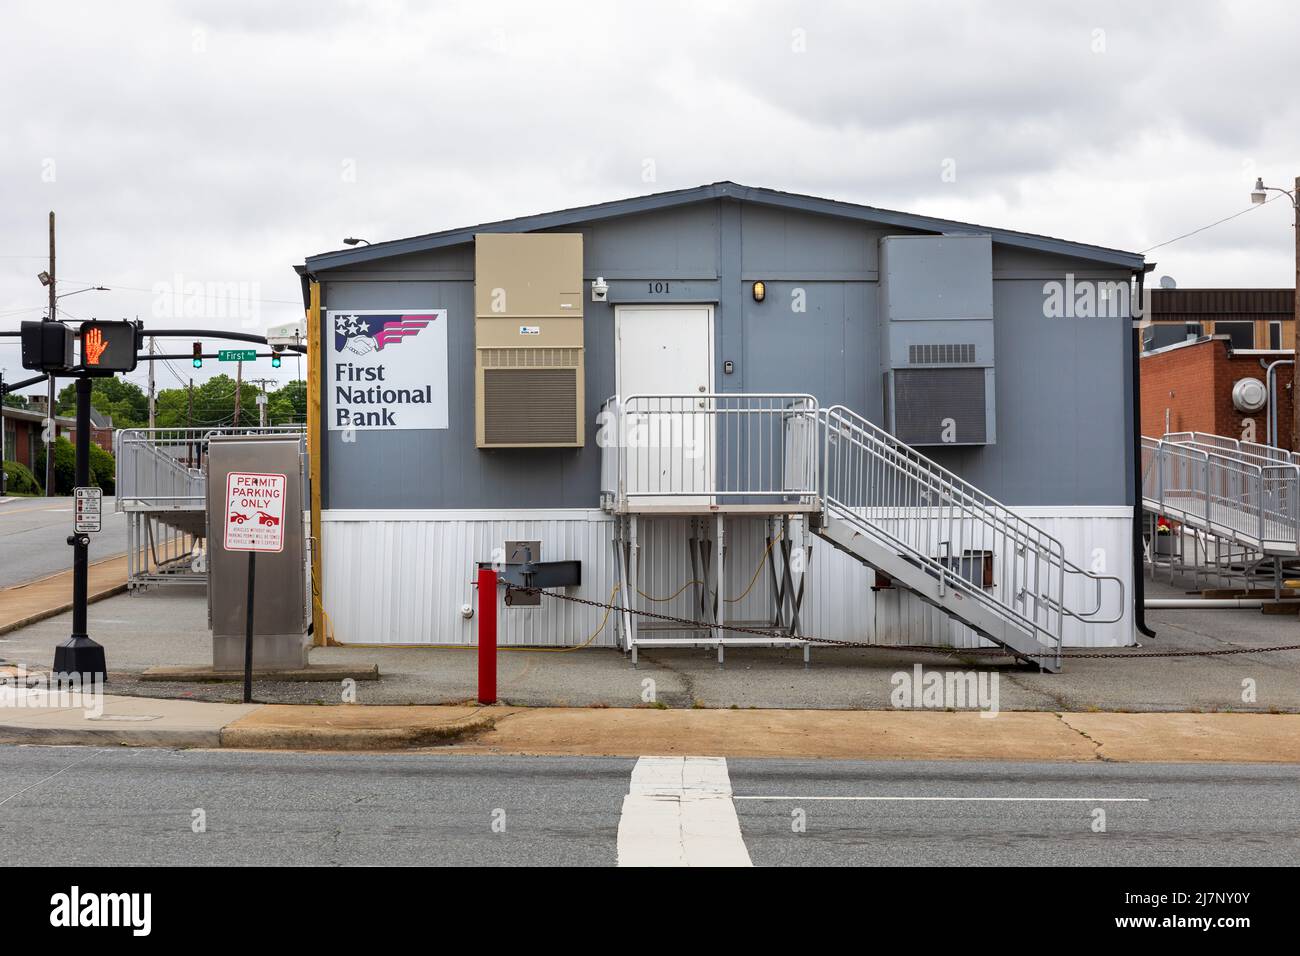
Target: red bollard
x=487 y=636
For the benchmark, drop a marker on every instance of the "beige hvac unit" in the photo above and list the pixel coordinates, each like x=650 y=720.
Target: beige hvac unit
x=528 y=376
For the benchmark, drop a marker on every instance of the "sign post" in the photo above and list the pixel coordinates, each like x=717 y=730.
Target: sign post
x=254 y=521
x=79 y=654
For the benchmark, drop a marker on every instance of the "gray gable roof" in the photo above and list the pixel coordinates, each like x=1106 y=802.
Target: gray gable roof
x=722 y=190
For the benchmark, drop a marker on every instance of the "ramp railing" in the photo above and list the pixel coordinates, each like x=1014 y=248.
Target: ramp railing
x=1239 y=491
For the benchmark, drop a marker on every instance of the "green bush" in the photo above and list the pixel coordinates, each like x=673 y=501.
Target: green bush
x=19 y=480
x=103 y=470
x=65 y=466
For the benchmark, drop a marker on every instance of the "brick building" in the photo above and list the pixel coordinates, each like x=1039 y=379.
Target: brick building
x=22 y=433
x=1189 y=387
x=1249 y=318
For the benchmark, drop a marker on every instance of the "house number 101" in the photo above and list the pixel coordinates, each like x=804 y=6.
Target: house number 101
x=657 y=288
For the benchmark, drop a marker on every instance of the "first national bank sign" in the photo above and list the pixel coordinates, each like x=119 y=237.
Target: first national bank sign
x=387 y=370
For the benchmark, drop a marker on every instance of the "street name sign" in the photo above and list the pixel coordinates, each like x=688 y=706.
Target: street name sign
x=236 y=355
x=254 y=518
x=88 y=509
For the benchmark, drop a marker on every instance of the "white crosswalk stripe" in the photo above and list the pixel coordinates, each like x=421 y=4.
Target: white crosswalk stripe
x=679 y=812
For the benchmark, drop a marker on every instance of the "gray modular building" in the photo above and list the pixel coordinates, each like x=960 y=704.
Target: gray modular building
x=772 y=415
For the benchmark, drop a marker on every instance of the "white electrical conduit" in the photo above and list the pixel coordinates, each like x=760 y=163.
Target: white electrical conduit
x=1170 y=604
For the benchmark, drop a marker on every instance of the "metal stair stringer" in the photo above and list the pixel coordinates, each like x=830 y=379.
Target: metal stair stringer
x=932 y=590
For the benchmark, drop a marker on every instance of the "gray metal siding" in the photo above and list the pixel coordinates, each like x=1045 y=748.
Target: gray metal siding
x=1062 y=384
x=1063 y=423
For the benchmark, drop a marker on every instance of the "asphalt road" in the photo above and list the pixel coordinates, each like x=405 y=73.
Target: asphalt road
x=33 y=538
x=81 y=806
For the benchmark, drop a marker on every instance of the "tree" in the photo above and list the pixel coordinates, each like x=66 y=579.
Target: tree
x=103 y=467
x=125 y=402
x=287 y=405
x=65 y=466
x=14 y=400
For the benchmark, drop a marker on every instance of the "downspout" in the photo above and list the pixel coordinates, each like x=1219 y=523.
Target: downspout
x=1270 y=377
x=1139 y=579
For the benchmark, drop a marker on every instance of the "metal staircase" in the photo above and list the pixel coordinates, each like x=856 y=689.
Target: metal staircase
x=946 y=541
x=916 y=524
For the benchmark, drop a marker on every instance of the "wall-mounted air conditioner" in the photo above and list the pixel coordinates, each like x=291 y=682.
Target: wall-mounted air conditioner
x=528 y=336
x=936 y=295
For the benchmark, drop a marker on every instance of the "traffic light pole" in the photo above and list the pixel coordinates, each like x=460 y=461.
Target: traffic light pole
x=79 y=654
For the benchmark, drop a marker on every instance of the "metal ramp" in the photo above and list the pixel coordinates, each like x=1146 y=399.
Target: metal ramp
x=1241 y=492
x=854 y=486
x=162 y=489
x=1236 y=505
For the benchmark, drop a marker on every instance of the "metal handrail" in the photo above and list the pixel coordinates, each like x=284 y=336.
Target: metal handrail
x=771 y=446
x=888 y=490
x=1005 y=517
x=161 y=468
x=1244 y=492
x=709 y=448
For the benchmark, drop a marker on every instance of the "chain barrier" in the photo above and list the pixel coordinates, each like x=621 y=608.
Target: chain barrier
x=920 y=648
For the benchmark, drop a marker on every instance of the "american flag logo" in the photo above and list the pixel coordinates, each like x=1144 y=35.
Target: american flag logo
x=381 y=330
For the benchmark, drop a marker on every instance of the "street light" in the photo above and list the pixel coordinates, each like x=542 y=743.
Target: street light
x=1259 y=195
x=93 y=288
x=350 y=241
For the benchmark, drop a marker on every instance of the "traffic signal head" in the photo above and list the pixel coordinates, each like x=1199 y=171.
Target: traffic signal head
x=198 y=355
x=47 y=346
x=275 y=358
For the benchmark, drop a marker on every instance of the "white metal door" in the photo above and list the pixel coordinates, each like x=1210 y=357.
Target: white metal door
x=666 y=350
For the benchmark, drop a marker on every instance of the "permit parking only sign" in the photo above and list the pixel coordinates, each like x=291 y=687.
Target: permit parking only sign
x=254 y=511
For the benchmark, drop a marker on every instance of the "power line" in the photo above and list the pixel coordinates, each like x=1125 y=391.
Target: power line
x=1250 y=208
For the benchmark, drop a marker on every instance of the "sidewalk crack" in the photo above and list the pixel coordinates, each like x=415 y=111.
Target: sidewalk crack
x=1092 y=740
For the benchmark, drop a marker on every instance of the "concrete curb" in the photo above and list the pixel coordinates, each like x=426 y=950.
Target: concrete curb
x=108 y=737
x=238 y=737
x=859 y=735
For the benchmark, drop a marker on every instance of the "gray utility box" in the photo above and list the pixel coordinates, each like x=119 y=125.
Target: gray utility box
x=936 y=297
x=280 y=639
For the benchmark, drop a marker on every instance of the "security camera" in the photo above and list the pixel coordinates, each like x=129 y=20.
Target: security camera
x=288 y=333
x=599 y=289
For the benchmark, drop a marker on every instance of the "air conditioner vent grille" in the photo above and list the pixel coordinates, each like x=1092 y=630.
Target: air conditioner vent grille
x=529 y=358
x=530 y=406
x=941 y=354
x=936 y=406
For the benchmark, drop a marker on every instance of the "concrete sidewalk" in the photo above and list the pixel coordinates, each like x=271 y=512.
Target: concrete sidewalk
x=168 y=626
x=870 y=735
x=45 y=597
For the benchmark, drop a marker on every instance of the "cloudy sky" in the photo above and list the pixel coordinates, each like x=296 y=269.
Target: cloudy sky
x=221 y=142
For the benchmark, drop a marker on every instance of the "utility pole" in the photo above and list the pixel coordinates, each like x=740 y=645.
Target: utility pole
x=152 y=410
x=1259 y=196
x=239 y=388
x=262 y=398
x=51 y=429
